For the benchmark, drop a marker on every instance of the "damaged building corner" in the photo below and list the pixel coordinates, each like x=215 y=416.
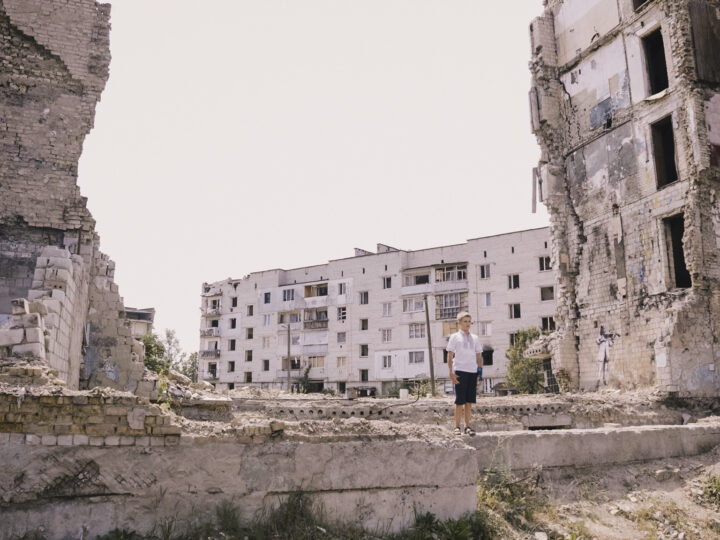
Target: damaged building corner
x=625 y=103
x=58 y=302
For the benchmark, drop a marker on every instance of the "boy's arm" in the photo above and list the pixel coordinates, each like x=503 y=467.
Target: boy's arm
x=453 y=377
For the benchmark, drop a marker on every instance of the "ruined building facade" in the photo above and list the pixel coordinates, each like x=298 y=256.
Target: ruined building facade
x=625 y=103
x=58 y=301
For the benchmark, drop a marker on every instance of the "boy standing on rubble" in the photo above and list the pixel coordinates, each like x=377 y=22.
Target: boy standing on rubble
x=464 y=359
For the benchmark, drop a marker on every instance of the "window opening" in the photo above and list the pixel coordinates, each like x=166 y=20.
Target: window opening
x=547 y=293
x=514 y=310
x=674 y=230
x=514 y=281
x=655 y=61
x=663 y=141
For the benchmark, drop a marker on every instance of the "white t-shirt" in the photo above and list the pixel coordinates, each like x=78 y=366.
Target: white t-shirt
x=465 y=347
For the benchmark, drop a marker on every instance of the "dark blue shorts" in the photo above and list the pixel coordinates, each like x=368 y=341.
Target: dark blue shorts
x=466 y=389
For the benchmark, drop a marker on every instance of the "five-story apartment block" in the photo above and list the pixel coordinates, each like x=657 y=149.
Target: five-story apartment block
x=360 y=322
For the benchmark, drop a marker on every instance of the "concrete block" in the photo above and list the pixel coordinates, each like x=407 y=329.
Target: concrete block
x=52 y=252
x=35 y=349
x=59 y=295
x=65 y=440
x=17 y=438
x=38 y=307
x=11 y=336
x=20 y=306
x=32 y=440
x=127 y=441
x=49 y=440
x=112 y=440
x=96 y=441
x=80 y=440
x=34 y=335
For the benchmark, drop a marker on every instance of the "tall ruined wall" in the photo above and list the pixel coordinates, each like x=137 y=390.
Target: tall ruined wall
x=629 y=172
x=55 y=57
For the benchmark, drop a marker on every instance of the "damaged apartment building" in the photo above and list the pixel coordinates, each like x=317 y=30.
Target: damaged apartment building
x=58 y=301
x=625 y=103
x=360 y=323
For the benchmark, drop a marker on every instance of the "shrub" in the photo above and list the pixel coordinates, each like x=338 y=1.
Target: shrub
x=525 y=374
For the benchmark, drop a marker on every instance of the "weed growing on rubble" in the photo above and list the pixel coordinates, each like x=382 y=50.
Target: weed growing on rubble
x=516 y=500
x=711 y=489
x=298 y=518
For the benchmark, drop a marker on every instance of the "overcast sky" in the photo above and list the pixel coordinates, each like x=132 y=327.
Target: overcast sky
x=235 y=136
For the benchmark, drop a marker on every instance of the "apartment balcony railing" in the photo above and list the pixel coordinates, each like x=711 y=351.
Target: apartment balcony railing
x=316 y=325
x=316 y=301
x=211 y=312
x=448 y=312
x=212 y=353
x=210 y=332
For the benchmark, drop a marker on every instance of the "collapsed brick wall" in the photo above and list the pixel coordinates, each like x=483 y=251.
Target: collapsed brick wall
x=595 y=117
x=55 y=58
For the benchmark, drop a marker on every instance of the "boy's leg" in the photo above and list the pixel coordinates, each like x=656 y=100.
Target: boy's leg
x=458 y=415
x=467 y=414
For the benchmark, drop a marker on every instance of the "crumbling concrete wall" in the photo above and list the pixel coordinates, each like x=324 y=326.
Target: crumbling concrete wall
x=105 y=461
x=630 y=216
x=55 y=58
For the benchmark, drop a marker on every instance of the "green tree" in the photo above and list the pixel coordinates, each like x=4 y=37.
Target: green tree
x=155 y=354
x=188 y=366
x=525 y=374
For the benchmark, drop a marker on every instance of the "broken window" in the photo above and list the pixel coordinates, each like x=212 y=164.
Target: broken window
x=545 y=264
x=548 y=324
x=514 y=338
x=215 y=304
x=231 y=386
x=363 y=324
x=363 y=350
x=364 y=297
x=233 y=323
x=341 y=387
x=487 y=356
x=547 y=293
x=387 y=282
x=248 y=356
x=663 y=141
x=449 y=327
x=215 y=323
x=231 y=366
x=231 y=345
x=288 y=295
x=386 y=361
x=248 y=333
x=341 y=337
x=514 y=281
x=484 y=271
x=655 y=61
x=364 y=375
x=212 y=370
x=386 y=334
x=417 y=330
x=514 y=311
x=341 y=313
x=449 y=305
x=266 y=365
x=248 y=376
x=416 y=357
x=250 y=310
x=677 y=270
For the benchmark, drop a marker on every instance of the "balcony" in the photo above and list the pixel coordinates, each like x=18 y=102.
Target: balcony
x=316 y=325
x=210 y=332
x=316 y=301
x=448 y=312
x=448 y=286
x=212 y=353
x=211 y=312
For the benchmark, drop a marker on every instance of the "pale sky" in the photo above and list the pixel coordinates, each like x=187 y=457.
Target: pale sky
x=235 y=136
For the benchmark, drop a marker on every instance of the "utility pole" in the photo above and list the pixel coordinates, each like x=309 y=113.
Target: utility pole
x=288 y=356
x=429 y=340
